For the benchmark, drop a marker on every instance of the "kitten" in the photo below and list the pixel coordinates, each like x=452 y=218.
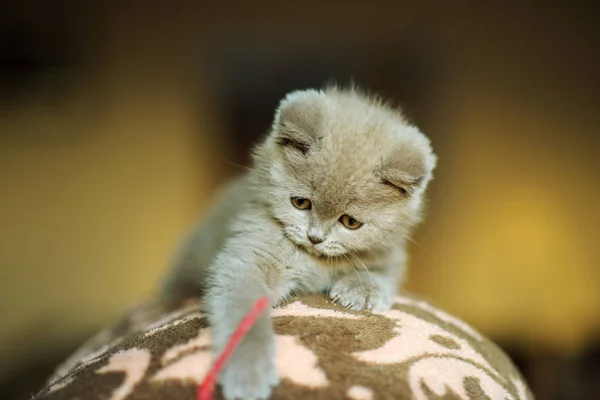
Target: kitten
x=335 y=189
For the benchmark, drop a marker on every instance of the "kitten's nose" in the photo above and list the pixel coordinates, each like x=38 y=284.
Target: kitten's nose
x=315 y=239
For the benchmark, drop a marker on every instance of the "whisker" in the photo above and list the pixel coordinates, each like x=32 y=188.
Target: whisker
x=355 y=270
x=330 y=273
x=376 y=255
x=228 y=161
x=368 y=272
x=415 y=242
x=363 y=265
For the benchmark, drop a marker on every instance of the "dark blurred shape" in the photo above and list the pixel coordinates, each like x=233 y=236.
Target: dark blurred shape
x=29 y=58
x=582 y=375
x=30 y=378
x=43 y=46
x=552 y=377
x=254 y=76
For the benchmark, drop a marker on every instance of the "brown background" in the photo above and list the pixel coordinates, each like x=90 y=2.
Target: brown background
x=118 y=122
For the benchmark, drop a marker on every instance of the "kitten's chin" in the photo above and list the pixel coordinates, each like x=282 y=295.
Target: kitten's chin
x=311 y=250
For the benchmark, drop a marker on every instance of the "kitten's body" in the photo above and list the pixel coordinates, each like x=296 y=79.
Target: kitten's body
x=290 y=268
x=345 y=154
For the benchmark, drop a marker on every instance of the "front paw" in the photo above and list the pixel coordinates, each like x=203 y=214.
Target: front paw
x=251 y=372
x=362 y=294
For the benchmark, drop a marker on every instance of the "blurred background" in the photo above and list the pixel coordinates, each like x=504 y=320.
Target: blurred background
x=119 y=122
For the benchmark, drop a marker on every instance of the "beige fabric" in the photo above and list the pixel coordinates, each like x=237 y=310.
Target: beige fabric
x=414 y=351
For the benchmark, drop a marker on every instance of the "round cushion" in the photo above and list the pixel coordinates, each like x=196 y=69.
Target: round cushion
x=324 y=351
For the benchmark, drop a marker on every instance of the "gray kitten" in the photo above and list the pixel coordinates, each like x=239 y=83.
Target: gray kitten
x=335 y=189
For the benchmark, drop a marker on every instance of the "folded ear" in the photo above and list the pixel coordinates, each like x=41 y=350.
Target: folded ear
x=409 y=165
x=298 y=120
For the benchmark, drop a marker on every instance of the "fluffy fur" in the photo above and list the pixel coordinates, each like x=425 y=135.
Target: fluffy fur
x=348 y=154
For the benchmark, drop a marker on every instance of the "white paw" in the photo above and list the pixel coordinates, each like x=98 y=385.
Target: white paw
x=250 y=373
x=357 y=294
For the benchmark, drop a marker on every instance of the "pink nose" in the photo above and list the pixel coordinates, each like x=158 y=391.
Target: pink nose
x=314 y=239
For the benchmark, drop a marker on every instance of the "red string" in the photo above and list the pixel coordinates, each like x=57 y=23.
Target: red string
x=207 y=387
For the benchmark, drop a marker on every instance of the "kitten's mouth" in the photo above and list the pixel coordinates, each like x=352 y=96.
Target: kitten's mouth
x=312 y=251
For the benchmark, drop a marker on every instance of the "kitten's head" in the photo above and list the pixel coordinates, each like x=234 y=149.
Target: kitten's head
x=342 y=172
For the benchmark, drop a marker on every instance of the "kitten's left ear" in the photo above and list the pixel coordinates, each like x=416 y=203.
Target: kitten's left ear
x=298 y=119
x=409 y=165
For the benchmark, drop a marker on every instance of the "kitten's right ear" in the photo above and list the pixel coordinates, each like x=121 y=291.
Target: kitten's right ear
x=298 y=120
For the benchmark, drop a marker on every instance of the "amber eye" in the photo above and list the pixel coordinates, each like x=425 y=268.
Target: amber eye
x=301 y=203
x=350 y=222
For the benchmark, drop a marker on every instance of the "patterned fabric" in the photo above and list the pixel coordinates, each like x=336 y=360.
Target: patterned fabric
x=413 y=351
